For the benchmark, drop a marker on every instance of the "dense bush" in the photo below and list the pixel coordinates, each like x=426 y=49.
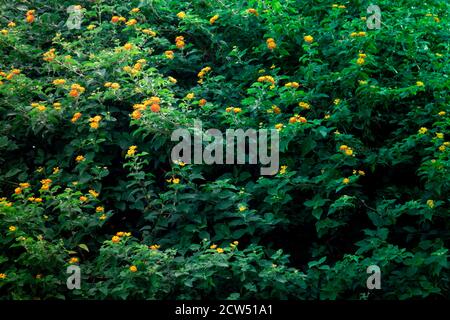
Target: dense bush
x=86 y=177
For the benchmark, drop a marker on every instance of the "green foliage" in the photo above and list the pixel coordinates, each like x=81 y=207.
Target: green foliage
x=86 y=117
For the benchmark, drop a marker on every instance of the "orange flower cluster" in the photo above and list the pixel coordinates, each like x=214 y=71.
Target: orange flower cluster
x=46 y=183
x=252 y=11
x=75 y=117
x=271 y=43
x=179 y=42
x=269 y=79
x=296 y=118
x=50 y=55
x=76 y=90
x=169 y=54
x=95 y=122
x=30 y=16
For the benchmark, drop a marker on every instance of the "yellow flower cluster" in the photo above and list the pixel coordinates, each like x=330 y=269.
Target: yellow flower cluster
x=80 y=158
x=169 y=54
x=38 y=106
x=268 y=79
x=274 y=109
x=338 y=6
x=271 y=44
x=95 y=122
x=308 y=39
x=181 y=15
x=75 y=117
x=149 y=32
x=358 y=34
x=422 y=130
x=203 y=72
x=58 y=82
x=76 y=90
x=46 y=183
x=154 y=247
x=131 y=151
x=179 y=42
x=112 y=85
x=234 y=109
x=296 y=118
x=292 y=85
x=283 y=169
x=173 y=180
x=359 y=172
x=50 y=55
x=213 y=19
x=304 y=105
x=74 y=260
x=120 y=234
x=30 y=16
x=346 y=149
x=361 y=58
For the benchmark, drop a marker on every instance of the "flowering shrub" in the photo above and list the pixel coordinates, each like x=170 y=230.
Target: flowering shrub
x=86 y=116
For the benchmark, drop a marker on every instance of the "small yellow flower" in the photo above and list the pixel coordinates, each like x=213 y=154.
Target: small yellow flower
x=133 y=269
x=190 y=96
x=346 y=181
x=441 y=113
x=58 y=82
x=128 y=46
x=18 y=190
x=214 y=19
x=154 y=247
x=3 y=276
x=360 y=61
x=102 y=217
x=181 y=15
x=336 y=101
x=12 y=228
x=283 y=169
x=73 y=260
x=214 y=246
x=131 y=151
x=430 y=203
x=135 y=10
x=176 y=181
x=242 y=208
x=423 y=130
x=93 y=193
x=115 y=239
x=99 y=209
x=80 y=158
x=90 y=27
x=420 y=84
x=304 y=105
x=442 y=148
x=439 y=135
x=308 y=39
x=219 y=250
x=279 y=126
